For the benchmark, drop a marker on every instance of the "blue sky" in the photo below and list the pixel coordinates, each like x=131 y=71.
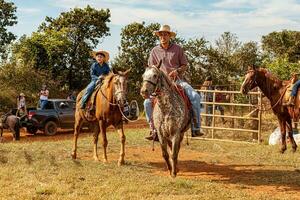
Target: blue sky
x=189 y=18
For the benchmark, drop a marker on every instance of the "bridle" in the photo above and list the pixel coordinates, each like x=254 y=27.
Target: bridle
x=269 y=91
x=114 y=94
x=156 y=91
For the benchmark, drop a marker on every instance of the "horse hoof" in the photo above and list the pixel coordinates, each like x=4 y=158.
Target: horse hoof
x=282 y=151
x=96 y=159
x=121 y=162
x=73 y=156
x=173 y=175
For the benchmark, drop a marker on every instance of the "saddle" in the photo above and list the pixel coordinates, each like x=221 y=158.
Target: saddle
x=293 y=110
x=90 y=108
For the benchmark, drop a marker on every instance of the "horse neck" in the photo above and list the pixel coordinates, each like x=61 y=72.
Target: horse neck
x=268 y=87
x=107 y=90
x=168 y=93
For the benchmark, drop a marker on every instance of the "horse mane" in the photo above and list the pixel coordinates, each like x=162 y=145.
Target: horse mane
x=108 y=79
x=271 y=77
x=168 y=80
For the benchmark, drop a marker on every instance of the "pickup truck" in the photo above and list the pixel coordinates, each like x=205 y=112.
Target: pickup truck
x=59 y=113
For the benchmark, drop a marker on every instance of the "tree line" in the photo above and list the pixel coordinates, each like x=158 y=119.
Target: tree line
x=58 y=53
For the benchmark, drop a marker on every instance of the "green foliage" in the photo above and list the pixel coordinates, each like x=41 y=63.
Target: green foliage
x=7 y=19
x=224 y=62
x=283 y=68
x=282 y=53
x=282 y=44
x=62 y=46
x=17 y=77
x=137 y=40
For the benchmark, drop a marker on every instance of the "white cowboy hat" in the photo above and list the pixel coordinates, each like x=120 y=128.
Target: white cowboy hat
x=165 y=28
x=105 y=53
x=22 y=94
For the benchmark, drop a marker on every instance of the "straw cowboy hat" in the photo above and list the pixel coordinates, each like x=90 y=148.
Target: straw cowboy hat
x=104 y=53
x=22 y=94
x=165 y=28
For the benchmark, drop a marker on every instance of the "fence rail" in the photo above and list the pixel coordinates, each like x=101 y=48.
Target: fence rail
x=213 y=115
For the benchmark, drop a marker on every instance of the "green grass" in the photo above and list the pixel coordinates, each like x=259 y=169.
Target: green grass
x=214 y=170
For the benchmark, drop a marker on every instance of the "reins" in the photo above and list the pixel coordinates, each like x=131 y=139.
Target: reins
x=117 y=104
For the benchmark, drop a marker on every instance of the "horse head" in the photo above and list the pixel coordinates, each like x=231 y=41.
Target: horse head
x=250 y=80
x=151 y=78
x=120 y=86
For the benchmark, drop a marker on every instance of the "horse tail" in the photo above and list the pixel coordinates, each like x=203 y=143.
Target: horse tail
x=17 y=129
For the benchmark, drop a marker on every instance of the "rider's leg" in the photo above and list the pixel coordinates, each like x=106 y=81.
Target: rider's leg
x=294 y=93
x=89 y=90
x=148 y=112
x=195 y=99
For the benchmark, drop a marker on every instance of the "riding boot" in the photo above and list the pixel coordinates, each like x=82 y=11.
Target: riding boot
x=291 y=101
x=197 y=133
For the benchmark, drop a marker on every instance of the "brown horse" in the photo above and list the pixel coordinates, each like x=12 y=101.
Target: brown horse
x=171 y=116
x=109 y=103
x=274 y=90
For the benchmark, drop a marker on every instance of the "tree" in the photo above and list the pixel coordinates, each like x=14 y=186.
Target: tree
x=137 y=40
x=196 y=50
x=282 y=44
x=7 y=19
x=281 y=52
x=84 y=29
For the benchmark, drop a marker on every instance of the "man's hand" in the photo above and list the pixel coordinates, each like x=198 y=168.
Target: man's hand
x=173 y=74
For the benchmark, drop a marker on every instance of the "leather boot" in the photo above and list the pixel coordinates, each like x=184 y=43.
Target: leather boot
x=197 y=133
x=291 y=101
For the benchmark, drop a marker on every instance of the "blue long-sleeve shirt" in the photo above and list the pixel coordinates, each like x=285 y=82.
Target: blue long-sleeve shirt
x=98 y=70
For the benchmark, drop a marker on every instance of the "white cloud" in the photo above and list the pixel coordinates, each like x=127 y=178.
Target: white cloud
x=31 y=11
x=248 y=19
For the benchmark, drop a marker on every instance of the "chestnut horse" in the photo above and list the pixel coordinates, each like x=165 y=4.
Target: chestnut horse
x=109 y=103
x=171 y=116
x=274 y=90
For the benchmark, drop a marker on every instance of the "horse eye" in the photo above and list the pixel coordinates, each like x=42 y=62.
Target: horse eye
x=155 y=76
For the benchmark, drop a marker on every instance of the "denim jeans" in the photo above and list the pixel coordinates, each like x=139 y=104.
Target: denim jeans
x=89 y=90
x=295 y=88
x=43 y=104
x=193 y=96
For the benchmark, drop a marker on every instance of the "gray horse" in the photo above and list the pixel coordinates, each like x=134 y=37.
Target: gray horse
x=171 y=116
x=12 y=123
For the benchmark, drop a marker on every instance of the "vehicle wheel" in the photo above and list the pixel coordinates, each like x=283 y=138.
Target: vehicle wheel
x=50 y=128
x=32 y=129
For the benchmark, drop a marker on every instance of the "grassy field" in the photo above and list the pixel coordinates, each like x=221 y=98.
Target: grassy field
x=208 y=170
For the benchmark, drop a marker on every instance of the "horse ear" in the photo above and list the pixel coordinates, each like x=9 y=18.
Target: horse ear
x=127 y=71
x=114 y=71
x=159 y=64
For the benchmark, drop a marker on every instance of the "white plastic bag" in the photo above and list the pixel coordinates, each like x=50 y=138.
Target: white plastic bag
x=275 y=137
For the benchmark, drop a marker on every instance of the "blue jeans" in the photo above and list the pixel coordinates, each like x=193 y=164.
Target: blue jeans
x=193 y=96
x=295 y=88
x=88 y=92
x=43 y=104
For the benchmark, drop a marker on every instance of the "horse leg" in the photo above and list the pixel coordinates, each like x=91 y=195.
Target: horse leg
x=78 y=123
x=282 y=124
x=102 y=127
x=165 y=154
x=290 y=132
x=122 y=151
x=175 y=150
x=95 y=137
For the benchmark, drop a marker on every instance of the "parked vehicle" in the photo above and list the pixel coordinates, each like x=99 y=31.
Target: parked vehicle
x=59 y=113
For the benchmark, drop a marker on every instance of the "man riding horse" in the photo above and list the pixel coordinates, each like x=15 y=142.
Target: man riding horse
x=174 y=63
